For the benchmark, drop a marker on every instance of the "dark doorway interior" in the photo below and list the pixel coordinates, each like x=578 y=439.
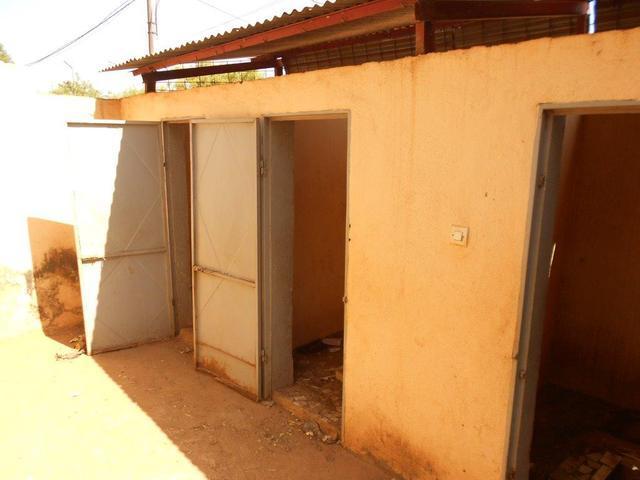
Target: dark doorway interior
x=587 y=418
x=319 y=162
x=177 y=155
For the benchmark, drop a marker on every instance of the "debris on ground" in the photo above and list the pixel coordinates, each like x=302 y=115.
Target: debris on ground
x=316 y=394
x=69 y=355
x=184 y=350
x=311 y=429
x=332 y=341
x=329 y=439
x=268 y=403
x=79 y=348
x=79 y=343
x=593 y=466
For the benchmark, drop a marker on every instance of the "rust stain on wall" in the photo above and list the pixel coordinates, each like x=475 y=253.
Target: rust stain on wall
x=58 y=288
x=55 y=274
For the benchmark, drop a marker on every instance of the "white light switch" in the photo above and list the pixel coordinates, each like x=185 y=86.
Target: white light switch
x=459 y=235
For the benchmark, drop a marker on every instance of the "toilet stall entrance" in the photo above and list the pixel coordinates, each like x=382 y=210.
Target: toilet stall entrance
x=235 y=228
x=134 y=260
x=577 y=393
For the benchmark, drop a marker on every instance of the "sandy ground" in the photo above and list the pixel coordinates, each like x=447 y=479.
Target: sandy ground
x=145 y=413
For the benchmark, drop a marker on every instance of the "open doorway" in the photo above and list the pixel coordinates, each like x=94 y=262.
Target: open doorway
x=577 y=404
x=305 y=237
x=177 y=156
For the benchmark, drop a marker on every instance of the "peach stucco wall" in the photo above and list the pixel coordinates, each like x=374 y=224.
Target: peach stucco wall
x=435 y=140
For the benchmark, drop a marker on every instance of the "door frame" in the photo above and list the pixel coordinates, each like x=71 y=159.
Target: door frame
x=266 y=121
x=537 y=254
x=259 y=163
x=167 y=239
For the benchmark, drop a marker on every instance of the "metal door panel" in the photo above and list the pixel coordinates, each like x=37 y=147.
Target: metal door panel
x=225 y=230
x=121 y=233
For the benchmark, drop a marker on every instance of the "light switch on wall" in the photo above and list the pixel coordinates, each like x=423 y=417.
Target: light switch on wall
x=459 y=235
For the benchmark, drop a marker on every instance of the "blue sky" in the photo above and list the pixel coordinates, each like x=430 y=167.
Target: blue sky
x=29 y=29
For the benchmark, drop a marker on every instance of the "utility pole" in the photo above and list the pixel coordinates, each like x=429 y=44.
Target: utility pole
x=152 y=26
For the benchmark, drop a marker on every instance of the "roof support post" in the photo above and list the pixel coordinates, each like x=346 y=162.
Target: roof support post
x=425 y=38
x=425 y=34
x=583 y=24
x=279 y=67
x=149 y=85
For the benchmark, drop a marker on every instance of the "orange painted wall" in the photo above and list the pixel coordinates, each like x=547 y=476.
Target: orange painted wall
x=320 y=177
x=439 y=139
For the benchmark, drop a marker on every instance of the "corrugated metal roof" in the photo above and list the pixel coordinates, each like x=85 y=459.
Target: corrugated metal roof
x=385 y=36
x=294 y=16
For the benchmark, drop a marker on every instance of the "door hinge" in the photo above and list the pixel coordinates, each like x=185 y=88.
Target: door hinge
x=522 y=374
x=263 y=356
x=541 y=181
x=345 y=299
x=261 y=168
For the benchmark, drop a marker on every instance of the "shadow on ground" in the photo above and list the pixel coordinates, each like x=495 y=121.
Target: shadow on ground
x=221 y=432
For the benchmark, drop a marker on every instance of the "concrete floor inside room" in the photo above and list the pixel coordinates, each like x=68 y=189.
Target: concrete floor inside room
x=144 y=413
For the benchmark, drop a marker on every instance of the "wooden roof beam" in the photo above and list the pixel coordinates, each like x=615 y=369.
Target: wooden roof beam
x=209 y=70
x=151 y=78
x=463 y=10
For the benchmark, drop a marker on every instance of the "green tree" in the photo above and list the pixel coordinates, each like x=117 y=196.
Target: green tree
x=4 y=56
x=77 y=88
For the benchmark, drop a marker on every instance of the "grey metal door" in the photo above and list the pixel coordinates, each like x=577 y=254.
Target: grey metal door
x=225 y=251
x=121 y=233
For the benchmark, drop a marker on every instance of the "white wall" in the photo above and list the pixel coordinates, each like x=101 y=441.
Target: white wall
x=34 y=183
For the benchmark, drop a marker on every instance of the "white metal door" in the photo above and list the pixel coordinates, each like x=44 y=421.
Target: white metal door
x=121 y=233
x=225 y=251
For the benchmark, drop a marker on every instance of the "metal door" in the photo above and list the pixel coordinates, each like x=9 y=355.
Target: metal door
x=225 y=251
x=121 y=233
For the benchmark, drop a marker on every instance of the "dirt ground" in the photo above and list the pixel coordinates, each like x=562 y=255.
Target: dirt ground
x=145 y=413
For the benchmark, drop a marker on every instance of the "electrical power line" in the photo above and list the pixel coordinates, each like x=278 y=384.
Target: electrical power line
x=204 y=2
x=109 y=16
x=222 y=24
